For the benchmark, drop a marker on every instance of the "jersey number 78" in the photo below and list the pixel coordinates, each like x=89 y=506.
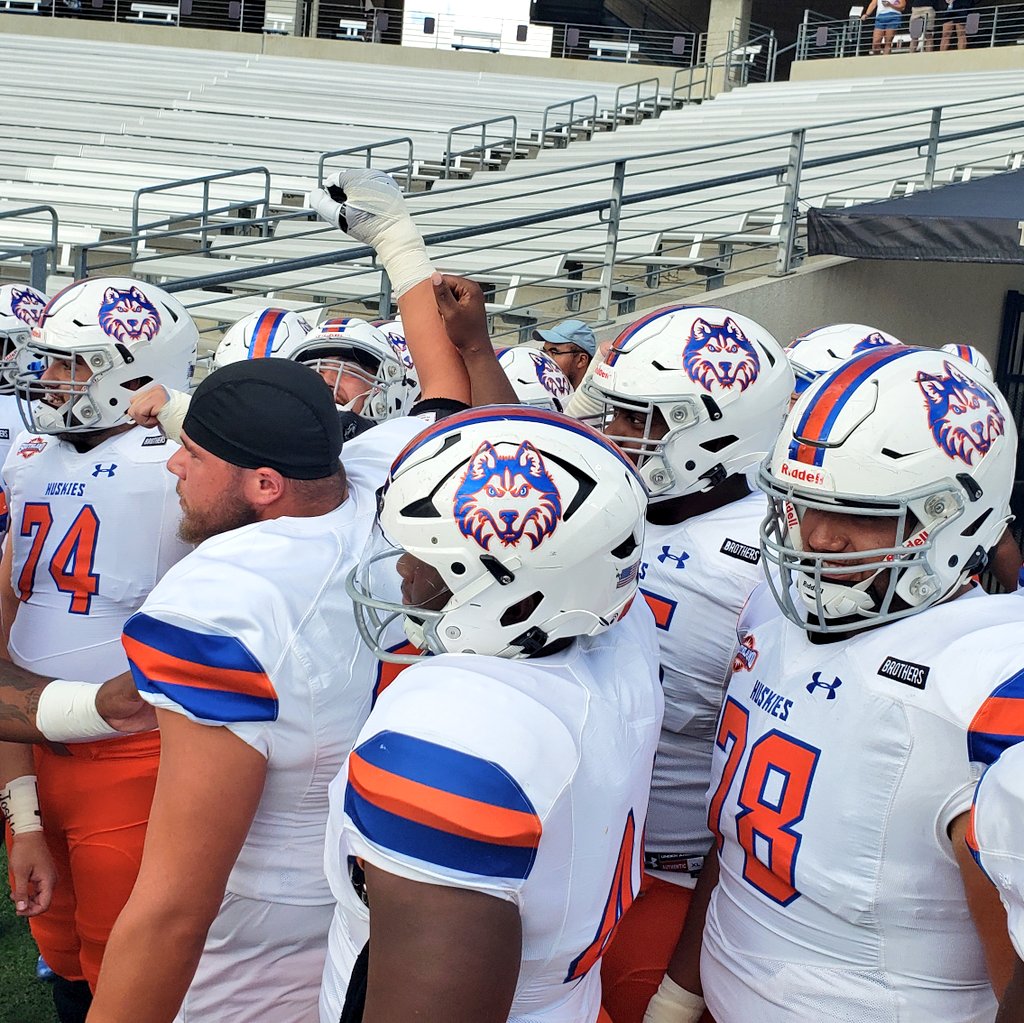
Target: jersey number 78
x=772 y=798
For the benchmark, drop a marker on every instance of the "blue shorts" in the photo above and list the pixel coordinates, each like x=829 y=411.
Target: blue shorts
x=888 y=19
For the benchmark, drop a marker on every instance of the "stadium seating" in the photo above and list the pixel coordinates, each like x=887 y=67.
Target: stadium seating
x=194 y=113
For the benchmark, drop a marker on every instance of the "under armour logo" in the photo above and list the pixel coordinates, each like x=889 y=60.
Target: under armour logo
x=830 y=686
x=104 y=470
x=667 y=555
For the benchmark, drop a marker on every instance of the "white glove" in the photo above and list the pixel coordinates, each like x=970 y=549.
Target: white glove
x=368 y=205
x=673 y=1004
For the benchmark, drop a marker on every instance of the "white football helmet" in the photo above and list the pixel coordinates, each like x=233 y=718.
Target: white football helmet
x=533 y=522
x=971 y=355
x=266 y=333
x=350 y=346
x=535 y=377
x=901 y=433
x=720 y=382
x=95 y=338
x=20 y=309
x=825 y=348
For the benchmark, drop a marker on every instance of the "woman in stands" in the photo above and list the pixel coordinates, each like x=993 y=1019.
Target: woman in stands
x=888 y=18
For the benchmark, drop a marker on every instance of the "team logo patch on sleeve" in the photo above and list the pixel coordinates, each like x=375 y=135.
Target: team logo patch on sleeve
x=741 y=551
x=907 y=672
x=507 y=498
x=746 y=655
x=32 y=447
x=441 y=806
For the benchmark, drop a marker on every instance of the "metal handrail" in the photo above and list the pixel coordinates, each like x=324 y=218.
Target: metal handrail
x=31 y=250
x=206 y=212
x=368 y=150
x=567 y=126
x=780 y=171
x=638 y=85
x=450 y=155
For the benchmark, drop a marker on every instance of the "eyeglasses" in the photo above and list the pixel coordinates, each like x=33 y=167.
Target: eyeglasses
x=572 y=350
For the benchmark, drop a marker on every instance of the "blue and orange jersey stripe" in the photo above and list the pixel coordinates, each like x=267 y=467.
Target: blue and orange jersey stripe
x=261 y=344
x=211 y=676
x=441 y=806
x=812 y=432
x=388 y=671
x=971 y=836
x=504 y=413
x=999 y=722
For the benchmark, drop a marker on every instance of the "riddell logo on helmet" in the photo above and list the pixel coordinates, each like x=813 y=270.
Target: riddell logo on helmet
x=601 y=370
x=804 y=474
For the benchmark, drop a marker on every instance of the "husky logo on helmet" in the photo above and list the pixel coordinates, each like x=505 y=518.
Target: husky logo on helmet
x=27 y=305
x=400 y=347
x=507 y=498
x=719 y=355
x=128 y=315
x=874 y=340
x=962 y=415
x=552 y=379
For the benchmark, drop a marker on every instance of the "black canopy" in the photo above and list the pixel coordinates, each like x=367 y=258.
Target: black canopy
x=978 y=221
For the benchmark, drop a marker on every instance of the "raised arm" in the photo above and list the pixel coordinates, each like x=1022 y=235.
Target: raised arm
x=368 y=205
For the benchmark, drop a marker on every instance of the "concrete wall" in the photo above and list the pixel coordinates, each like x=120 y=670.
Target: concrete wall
x=998 y=58
x=921 y=303
x=329 y=49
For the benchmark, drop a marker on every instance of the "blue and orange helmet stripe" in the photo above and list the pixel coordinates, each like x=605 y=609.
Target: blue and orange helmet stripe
x=261 y=344
x=811 y=434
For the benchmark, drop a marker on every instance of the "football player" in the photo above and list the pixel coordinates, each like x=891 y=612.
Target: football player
x=263 y=334
x=535 y=378
x=845 y=889
x=20 y=309
x=996 y=840
x=485 y=833
x=518 y=551
x=695 y=396
x=824 y=349
x=248 y=650
x=93 y=526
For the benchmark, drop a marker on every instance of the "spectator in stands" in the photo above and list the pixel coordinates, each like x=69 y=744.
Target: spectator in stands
x=926 y=14
x=888 y=18
x=572 y=345
x=955 y=16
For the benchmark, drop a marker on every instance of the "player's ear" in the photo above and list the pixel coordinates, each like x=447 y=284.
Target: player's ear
x=264 y=486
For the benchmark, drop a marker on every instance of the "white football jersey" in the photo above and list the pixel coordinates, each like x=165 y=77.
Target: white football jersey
x=254 y=632
x=10 y=426
x=552 y=759
x=92 y=533
x=696 y=575
x=837 y=772
x=996 y=834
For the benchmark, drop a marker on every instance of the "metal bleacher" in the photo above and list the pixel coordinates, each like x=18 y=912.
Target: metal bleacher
x=667 y=207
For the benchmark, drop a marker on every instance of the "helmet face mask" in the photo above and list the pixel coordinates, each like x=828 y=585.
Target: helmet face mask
x=531 y=540
x=356 y=349
x=899 y=434
x=720 y=383
x=98 y=342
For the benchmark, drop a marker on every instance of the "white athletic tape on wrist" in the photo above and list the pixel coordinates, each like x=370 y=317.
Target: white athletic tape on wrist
x=172 y=415
x=673 y=1004
x=375 y=214
x=67 y=713
x=19 y=803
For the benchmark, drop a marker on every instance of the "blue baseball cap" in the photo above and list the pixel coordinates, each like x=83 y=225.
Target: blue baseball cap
x=569 y=332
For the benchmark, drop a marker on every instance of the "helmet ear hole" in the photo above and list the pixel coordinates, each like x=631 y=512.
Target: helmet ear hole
x=521 y=610
x=627 y=547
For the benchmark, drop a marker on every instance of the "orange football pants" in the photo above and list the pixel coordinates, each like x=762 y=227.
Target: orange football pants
x=95 y=805
x=637 y=957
